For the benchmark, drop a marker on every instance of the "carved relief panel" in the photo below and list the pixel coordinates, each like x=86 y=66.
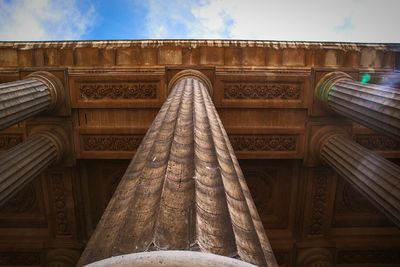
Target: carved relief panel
x=261 y=88
x=123 y=89
x=318 y=201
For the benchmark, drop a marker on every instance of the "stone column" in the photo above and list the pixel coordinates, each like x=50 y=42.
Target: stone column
x=24 y=162
x=375 y=177
x=22 y=99
x=374 y=106
x=184 y=189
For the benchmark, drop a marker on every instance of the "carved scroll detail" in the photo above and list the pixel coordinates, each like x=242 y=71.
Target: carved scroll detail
x=263 y=142
x=131 y=90
x=377 y=142
x=59 y=205
x=111 y=142
x=9 y=141
x=319 y=196
x=262 y=90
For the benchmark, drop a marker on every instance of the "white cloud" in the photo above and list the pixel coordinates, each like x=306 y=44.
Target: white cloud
x=43 y=20
x=312 y=20
x=180 y=19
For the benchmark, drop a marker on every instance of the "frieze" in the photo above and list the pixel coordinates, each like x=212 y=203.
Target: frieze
x=262 y=90
x=111 y=142
x=318 y=205
x=377 y=142
x=368 y=257
x=263 y=142
x=59 y=204
x=10 y=140
x=131 y=90
x=19 y=258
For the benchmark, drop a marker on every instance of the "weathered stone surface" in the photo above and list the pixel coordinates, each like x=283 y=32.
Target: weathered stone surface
x=184 y=189
x=376 y=178
x=22 y=99
x=24 y=162
x=374 y=106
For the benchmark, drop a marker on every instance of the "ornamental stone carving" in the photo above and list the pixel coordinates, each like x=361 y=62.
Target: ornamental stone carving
x=8 y=141
x=320 y=187
x=58 y=197
x=377 y=142
x=262 y=90
x=111 y=142
x=315 y=257
x=132 y=90
x=263 y=142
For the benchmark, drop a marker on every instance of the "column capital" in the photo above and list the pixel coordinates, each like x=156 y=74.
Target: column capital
x=375 y=177
x=318 y=136
x=24 y=162
x=374 y=106
x=59 y=132
x=194 y=74
x=58 y=138
x=327 y=82
x=54 y=85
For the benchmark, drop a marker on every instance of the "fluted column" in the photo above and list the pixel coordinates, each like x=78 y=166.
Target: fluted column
x=22 y=99
x=184 y=189
x=21 y=164
x=375 y=177
x=374 y=106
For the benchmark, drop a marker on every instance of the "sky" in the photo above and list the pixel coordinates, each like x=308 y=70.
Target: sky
x=374 y=21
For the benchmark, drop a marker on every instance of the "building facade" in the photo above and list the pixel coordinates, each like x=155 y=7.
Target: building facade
x=315 y=128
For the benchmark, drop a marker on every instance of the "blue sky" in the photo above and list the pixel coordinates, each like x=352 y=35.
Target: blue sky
x=307 y=20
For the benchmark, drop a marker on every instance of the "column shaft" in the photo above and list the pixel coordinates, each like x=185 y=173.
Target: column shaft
x=25 y=98
x=375 y=177
x=183 y=190
x=21 y=164
x=374 y=106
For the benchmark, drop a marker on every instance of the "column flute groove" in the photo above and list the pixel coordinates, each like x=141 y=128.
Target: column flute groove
x=374 y=106
x=375 y=177
x=24 y=162
x=41 y=91
x=183 y=190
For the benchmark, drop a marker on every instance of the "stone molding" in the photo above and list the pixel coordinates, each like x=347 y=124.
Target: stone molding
x=193 y=74
x=54 y=85
x=118 y=90
x=261 y=90
x=324 y=86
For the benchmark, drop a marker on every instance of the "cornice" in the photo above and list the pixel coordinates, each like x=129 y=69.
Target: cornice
x=197 y=43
